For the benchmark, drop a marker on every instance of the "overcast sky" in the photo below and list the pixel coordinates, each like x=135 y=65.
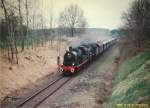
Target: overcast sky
x=99 y=13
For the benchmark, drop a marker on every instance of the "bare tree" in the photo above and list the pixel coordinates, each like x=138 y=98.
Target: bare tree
x=11 y=25
x=25 y=8
x=72 y=17
x=51 y=24
x=33 y=26
x=17 y=21
x=137 y=24
x=20 y=24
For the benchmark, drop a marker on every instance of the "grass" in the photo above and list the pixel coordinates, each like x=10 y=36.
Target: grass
x=132 y=82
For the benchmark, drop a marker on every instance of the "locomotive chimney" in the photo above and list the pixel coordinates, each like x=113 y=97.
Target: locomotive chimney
x=70 y=48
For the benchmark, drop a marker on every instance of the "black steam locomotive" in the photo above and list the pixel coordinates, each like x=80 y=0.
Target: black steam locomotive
x=76 y=58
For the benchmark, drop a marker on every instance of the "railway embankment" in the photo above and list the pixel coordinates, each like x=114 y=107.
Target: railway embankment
x=131 y=84
x=34 y=65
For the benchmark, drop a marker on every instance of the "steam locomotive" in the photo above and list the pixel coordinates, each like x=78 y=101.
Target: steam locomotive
x=77 y=58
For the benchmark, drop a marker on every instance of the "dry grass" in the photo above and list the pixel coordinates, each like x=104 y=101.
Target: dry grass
x=33 y=65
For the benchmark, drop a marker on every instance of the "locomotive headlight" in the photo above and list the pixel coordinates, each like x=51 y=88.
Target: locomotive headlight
x=73 y=64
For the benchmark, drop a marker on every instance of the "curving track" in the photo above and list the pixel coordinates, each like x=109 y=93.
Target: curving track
x=40 y=96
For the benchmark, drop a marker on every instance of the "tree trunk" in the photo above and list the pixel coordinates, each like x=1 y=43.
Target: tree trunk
x=72 y=32
x=20 y=26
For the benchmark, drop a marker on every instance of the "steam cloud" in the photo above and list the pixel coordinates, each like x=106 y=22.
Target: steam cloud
x=91 y=36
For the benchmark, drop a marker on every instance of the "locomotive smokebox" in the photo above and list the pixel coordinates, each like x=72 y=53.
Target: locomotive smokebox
x=70 y=48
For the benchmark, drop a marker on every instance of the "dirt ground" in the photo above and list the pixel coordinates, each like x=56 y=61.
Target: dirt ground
x=90 y=89
x=34 y=64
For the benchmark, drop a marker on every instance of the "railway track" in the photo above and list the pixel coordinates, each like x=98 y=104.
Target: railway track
x=40 y=96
